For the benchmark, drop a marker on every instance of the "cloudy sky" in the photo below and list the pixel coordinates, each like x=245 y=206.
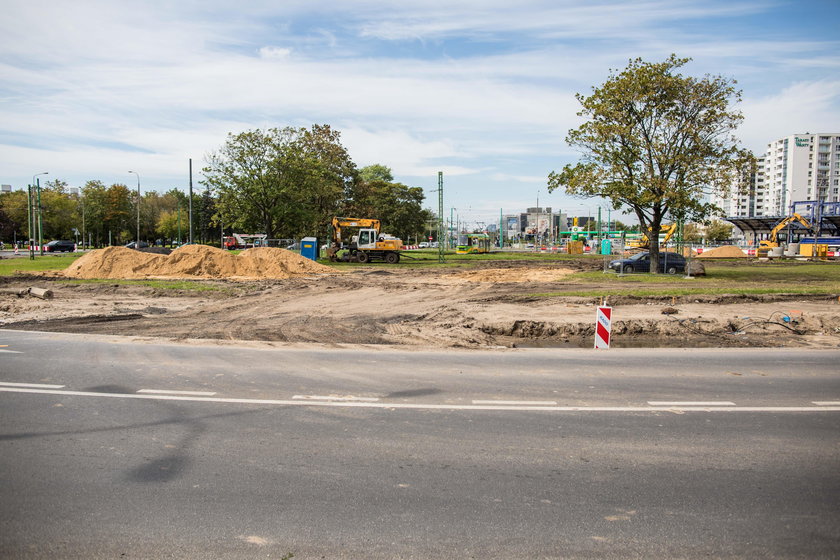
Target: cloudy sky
x=481 y=90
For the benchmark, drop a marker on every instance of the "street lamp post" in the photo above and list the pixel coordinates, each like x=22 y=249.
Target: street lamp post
x=37 y=196
x=137 y=241
x=537 y=228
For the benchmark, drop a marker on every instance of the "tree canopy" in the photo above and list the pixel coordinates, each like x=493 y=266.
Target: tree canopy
x=282 y=182
x=657 y=142
x=290 y=182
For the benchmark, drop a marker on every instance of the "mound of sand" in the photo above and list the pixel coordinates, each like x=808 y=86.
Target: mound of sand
x=725 y=251
x=194 y=261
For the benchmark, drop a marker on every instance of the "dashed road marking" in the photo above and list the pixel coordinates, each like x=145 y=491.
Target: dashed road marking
x=331 y=398
x=31 y=385
x=168 y=392
x=421 y=406
x=523 y=403
x=827 y=403
x=691 y=403
x=10 y=351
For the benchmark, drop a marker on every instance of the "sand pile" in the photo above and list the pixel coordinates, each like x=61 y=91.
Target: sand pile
x=194 y=261
x=725 y=251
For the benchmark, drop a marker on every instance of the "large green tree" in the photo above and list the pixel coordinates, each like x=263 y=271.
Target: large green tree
x=13 y=216
x=397 y=206
x=655 y=141
x=282 y=182
x=718 y=231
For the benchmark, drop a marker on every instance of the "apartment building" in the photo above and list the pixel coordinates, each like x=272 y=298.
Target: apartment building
x=794 y=168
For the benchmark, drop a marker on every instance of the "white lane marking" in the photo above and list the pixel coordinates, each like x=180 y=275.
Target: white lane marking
x=827 y=403
x=691 y=403
x=523 y=403
x=167 y=392
x=31 y=385
x=10 y=351
x=412 y=406
x=334 y=399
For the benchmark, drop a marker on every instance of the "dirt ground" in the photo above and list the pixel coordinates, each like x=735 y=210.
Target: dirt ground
x=489 y=306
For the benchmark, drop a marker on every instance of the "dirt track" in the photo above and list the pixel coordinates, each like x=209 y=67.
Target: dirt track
x=477 y=308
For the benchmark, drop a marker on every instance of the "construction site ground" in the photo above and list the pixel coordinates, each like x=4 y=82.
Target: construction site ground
x=501 y=304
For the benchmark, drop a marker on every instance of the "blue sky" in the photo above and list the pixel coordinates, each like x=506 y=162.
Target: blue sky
x=481 y=90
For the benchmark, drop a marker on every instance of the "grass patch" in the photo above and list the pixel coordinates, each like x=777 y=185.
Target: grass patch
x=159 y=284
x=429 y=258
x=720 y=279
x=688 y=291
x=9 y=267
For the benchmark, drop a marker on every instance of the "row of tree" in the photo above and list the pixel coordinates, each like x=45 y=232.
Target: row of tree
x=286 y=183
x=102 y=215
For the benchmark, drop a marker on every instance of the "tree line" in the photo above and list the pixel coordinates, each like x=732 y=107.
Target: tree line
x=102 y=215
x=286 y=183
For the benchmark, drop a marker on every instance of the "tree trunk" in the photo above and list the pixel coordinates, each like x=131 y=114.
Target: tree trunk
x=653 y=243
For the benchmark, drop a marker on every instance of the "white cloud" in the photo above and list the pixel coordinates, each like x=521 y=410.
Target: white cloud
x=482 y=90
x=275 y=52
x=798 y=108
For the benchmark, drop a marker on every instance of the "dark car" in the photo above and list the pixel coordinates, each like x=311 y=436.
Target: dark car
x=131 y=245
x=60 y=246
x=669 y=263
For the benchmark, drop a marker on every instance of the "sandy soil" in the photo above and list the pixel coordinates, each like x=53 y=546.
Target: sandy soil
x=490 y=306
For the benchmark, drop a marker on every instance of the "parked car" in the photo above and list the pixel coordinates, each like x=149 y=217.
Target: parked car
x=669 y=263
x=424 y=245
x=60 y=246
x=131 y=245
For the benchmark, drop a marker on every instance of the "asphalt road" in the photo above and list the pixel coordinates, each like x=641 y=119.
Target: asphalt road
x=119 y=448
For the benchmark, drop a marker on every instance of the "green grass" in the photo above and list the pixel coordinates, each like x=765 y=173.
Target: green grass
x=186 y=285
x=741 y=278
x=737 y=277
x=9 y=267
x=692 y=291
x=429 y=258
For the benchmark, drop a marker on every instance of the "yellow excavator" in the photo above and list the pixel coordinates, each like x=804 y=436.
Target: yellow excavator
x=765 y=245
x=366 y=245
x=644 y=242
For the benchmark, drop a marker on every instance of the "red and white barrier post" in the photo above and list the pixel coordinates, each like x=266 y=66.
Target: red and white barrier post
x=603 y=326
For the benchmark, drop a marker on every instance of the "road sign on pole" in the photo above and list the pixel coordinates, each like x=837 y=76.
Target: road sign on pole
x=603 y=326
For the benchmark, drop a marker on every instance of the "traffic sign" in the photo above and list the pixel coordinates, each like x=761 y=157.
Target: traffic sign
x=603 y=326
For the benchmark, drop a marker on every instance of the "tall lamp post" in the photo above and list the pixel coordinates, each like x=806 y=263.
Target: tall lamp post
x=137 y=241
x=38 y=225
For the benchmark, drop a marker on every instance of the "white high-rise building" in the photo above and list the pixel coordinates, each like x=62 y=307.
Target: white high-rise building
x=794 y=168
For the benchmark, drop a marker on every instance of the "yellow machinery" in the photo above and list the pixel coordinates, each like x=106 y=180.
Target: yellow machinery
x=644 y=242
x=367 y=245
x=766 y=244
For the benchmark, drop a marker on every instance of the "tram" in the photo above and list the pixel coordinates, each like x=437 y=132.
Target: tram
x=473 y=243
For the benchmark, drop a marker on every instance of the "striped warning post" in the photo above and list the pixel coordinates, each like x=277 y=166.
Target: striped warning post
x=603 y=326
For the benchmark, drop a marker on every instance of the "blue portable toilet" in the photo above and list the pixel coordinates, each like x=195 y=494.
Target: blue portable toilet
x=309 y=248
x=606 y=246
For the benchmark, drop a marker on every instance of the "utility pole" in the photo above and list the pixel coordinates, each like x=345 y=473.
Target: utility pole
x=179 y=208
x=82 y=197
x=451 y=226
x=29 y=222
x=537 y=228
x=40 y=221
x=35 y=192
x=600 y=232
x=440 y=217
x=137 y=243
